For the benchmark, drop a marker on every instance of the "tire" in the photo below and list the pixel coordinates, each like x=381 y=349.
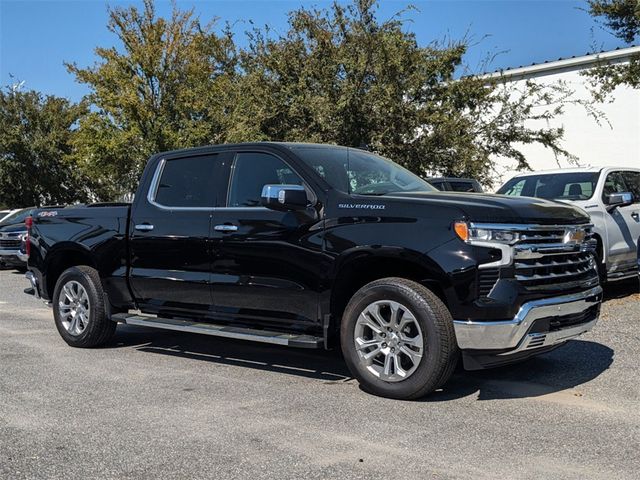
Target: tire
x=423 y=313
x=92 y=326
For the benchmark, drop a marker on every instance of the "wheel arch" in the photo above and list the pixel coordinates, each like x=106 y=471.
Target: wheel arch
x=65 y=255
x=359 y=268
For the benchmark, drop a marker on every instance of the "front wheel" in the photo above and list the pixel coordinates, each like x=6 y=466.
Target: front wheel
x=79 y=308
x=398 y=339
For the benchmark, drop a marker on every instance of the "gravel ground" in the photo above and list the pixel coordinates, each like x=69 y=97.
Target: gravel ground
x=158 y=404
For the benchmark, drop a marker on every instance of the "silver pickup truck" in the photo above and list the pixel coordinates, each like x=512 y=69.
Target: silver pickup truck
x=611 y=197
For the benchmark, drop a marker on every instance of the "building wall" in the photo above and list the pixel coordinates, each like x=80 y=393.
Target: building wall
x=615 y=141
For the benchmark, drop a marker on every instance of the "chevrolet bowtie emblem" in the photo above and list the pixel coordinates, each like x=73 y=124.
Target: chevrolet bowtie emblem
x=574 y=235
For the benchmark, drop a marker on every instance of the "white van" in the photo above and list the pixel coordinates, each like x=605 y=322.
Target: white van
x=610 y=195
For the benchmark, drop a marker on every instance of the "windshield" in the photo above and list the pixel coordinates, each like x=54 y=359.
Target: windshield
x=556 y=186
x=350 y=170
x=17 y=217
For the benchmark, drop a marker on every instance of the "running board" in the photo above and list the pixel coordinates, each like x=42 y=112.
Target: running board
x=239 y=333
x=624 y=275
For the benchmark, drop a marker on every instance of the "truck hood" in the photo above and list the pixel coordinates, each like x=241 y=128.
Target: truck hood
x=14 y=227
x=490 y=208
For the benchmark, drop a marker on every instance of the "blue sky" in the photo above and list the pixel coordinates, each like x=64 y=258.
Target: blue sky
x=36 y=37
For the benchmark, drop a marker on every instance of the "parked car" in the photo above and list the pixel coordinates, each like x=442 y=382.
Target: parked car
x=13 y=232
x=611 y=197
x=317 y=246
x=453 y=184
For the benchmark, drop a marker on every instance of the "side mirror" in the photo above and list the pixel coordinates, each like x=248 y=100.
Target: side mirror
x=621 y=199
x=284 y=197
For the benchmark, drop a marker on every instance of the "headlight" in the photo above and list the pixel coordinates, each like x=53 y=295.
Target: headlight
x=470 y=234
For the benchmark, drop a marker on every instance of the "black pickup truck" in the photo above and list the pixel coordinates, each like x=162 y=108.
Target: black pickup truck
x=321 y=246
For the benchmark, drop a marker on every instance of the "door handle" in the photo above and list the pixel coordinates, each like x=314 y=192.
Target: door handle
x=144 y=227
x=225 y=228
x=636 y=216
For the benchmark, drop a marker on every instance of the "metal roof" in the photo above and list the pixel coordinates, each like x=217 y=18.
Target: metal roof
x=619 y=54
x=573 y=170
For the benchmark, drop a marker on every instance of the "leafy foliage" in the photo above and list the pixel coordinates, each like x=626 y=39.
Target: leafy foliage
x=337 y=76
x=622 y=18
x=341 y=76
x=35 y=146
x=164 y=89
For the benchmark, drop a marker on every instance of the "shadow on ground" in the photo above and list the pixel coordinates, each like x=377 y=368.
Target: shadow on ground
x=318 y=364
x=621 y=289
x=565 y=368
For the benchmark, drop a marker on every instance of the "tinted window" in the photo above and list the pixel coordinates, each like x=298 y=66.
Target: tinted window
x=557 y=186
x=462 y=186
x=251 y=172
x=190 y=182
x=351 y=170
x=438 y=185
x=632 y=181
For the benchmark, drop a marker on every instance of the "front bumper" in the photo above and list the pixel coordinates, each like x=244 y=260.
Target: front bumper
x=13 y=256
x=529 y=330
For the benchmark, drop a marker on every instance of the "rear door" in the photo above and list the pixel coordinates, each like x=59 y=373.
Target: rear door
x=170 y=250
x=267 y=264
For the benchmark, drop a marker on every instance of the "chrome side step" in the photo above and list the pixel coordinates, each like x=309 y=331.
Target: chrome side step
x=623 y=275
x=239 y=333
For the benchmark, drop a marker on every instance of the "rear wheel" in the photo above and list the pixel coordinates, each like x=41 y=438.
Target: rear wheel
x=398 y=340
x=79 y=308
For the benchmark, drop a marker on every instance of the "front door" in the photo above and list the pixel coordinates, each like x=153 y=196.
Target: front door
x=623 y=223
x=266 y=263
x=170 y=247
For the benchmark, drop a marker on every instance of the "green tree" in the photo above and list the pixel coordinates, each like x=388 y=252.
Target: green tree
x=337 y=76
x=36 y=136
x=622 y=19
x=341 y=76
x=164 y=89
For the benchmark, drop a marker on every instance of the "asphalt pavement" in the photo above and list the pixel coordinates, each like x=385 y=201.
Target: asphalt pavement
x=156 y=404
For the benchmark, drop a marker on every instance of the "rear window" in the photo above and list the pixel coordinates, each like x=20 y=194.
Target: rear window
x=557 y=186
x=189 y=182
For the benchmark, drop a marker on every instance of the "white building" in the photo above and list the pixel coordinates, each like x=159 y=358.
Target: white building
x=616 y=141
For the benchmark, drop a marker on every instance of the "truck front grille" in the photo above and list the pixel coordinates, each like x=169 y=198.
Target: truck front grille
x=555 y=258
x=10 y=244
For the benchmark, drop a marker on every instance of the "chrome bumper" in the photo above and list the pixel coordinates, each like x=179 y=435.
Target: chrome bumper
x=13 y=253
x=513 y=335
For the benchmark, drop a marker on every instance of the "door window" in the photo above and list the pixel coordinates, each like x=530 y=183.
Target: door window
x=251 y=172
x=632 y=181
x=191 y=182
x=514 y=189
x=614 y=184
x=439 y=185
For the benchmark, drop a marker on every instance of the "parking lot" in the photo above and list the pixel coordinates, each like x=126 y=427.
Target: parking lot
x=157 y=404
